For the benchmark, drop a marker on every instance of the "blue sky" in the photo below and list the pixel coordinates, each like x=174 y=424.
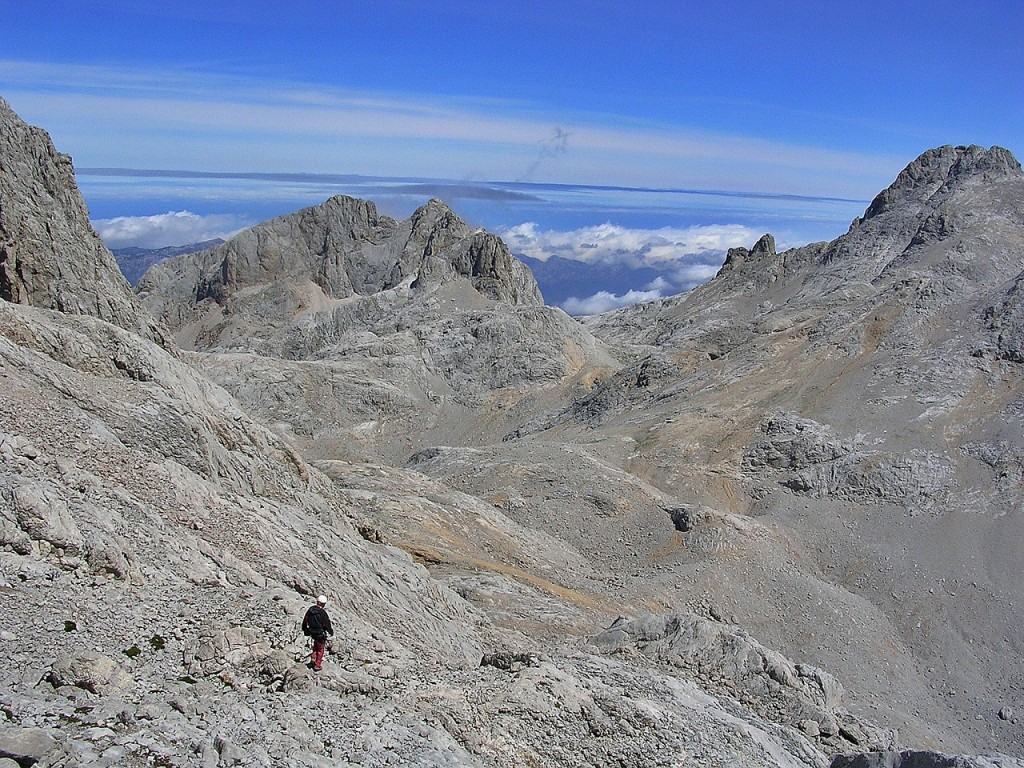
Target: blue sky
x=805 y=98
x=813 y=98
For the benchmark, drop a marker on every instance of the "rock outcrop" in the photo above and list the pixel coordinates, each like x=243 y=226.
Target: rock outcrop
x=1004 y=318
x=725 y=657
x=810 y=459
x=50 y=257
x=337 y=250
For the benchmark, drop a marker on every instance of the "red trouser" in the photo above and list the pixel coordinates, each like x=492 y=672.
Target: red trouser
x=319 y=647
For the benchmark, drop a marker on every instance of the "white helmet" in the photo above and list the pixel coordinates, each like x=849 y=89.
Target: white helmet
x=322 y=600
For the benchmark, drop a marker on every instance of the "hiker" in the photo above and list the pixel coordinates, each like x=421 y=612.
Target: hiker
x=317 y=625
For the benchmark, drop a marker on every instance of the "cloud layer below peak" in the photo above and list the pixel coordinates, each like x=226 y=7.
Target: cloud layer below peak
x=661 y=248
x=624 y=259
x=164 y=229
x=605 y=301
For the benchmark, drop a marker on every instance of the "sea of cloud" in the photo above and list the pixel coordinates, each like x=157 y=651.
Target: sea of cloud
x=635 y=247
x=683 y=256
x=164 y=229
x=605 y=301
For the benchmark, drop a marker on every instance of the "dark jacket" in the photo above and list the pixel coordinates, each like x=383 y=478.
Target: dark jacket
x=317 y=624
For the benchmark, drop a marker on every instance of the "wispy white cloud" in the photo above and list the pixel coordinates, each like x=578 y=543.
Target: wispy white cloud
x=251 y=123
x=663 y=248
x=658 y=284
x=163 y=229
x=604 y=301
x=688 y=275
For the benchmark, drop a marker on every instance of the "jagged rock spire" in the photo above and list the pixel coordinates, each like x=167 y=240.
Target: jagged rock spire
x=765 y=246
x=736 y=258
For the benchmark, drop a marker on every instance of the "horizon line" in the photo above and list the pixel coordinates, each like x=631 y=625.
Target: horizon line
x=340 y=178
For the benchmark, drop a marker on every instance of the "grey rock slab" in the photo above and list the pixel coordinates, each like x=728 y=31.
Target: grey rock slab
x=91 y=671
x=26 y=746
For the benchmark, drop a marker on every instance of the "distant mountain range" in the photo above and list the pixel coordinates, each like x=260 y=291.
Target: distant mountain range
x=135 y=261
x=443 y=187
x=559 y=279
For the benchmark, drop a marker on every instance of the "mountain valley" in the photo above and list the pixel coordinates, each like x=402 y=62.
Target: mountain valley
x=773 y=521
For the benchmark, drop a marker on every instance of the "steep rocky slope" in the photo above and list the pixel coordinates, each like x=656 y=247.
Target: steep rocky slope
x=166 y=546
x=159 y=546
x=49 y=254
x=864 y=397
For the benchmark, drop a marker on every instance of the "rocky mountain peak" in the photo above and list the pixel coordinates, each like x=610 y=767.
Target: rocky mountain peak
x=340 y=249
x=765 y=246
x=485 y=260
x=944 y=167
x=357 y=215
x=433 y=227
x=434 y=210
x=50 y=256
x=440 y=243
x=737 y=258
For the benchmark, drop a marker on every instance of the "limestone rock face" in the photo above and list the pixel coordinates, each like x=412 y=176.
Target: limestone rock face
x=940 y=169
x=50 y=257
x=810 y=459
x=763 y=250
x=946 y=218
x=339 y=249
x=1004 y=318
x=385 y=327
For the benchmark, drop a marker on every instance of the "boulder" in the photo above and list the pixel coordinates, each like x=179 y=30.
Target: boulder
x=25 y=746
x=217 y=649
x=43 y=514
x=91 y=671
